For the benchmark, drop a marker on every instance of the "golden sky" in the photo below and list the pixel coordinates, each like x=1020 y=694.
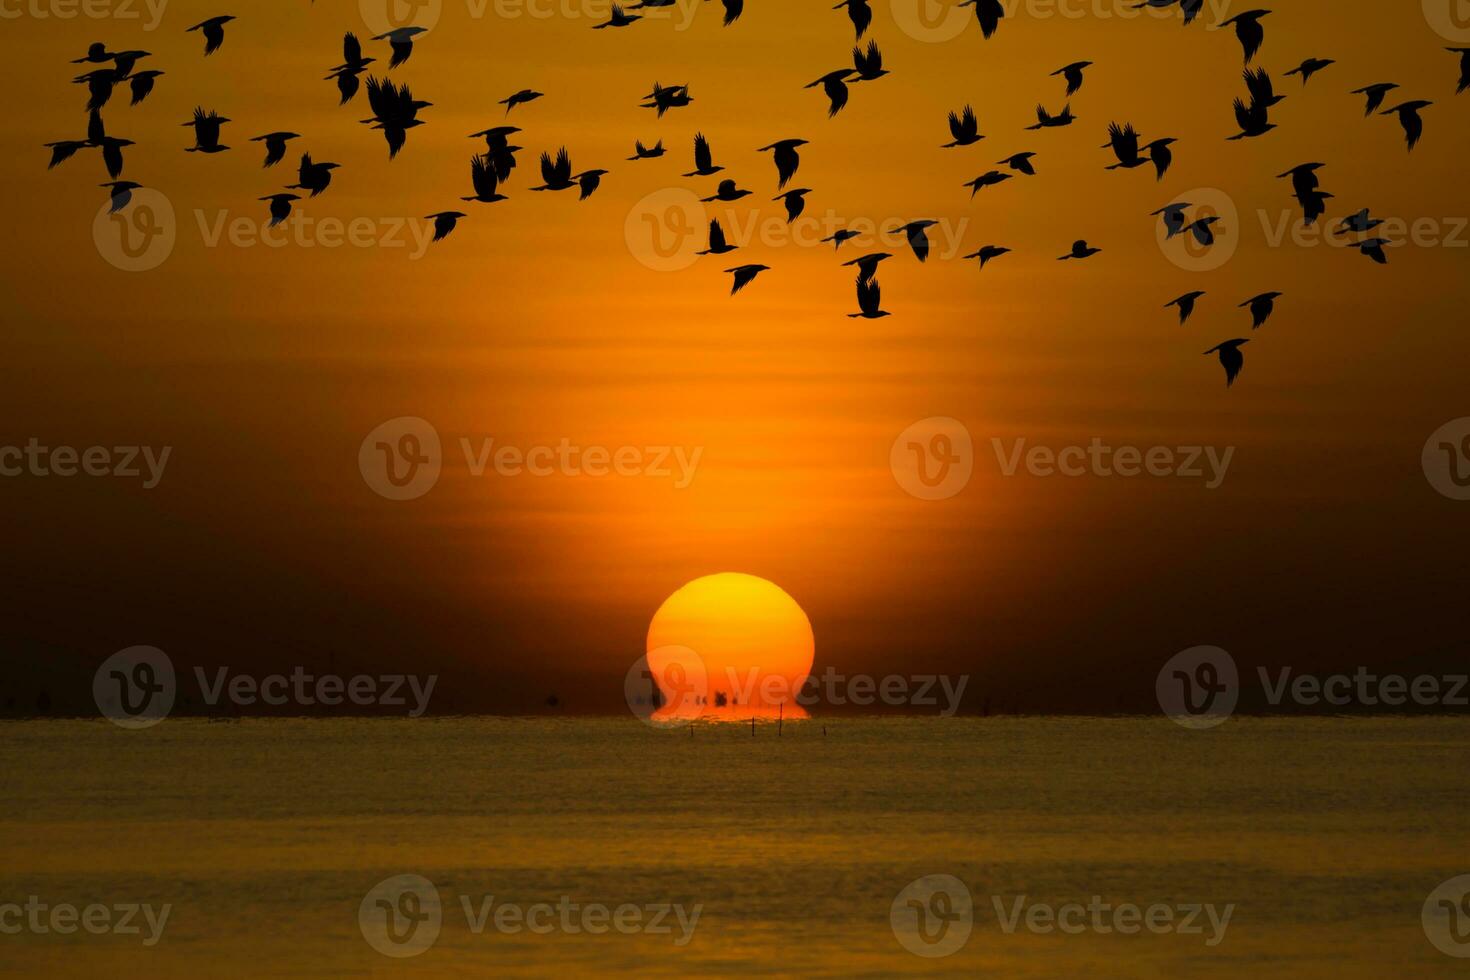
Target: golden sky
x=541 y=319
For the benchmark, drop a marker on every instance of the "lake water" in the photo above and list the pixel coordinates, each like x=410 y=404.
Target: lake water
x=267 y=839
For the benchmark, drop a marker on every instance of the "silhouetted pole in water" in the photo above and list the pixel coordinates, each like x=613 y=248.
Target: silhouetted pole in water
x=752 y=726
x=780 y=717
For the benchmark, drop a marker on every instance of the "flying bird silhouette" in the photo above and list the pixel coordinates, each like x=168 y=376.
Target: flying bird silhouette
x=444 y=222
x=280 y=207
x=733 y=10
x=400 y=42
x=1358 y=222
x=717 y=243
x=663 y=99
x=964 y=129
x=1373 y=248
x=726 y=191
x=1173 y=217
x=918 y=240
x=1160 y=155
x=859 y=13
x=214 y=32
x=868 y=264
x=839 y=236
x=1080 y=250
x=1185 y=303
x=275 y=146
x=743 y=276
x=1252 y=119
x=1408 y=113
x=395 y=111
x=1258 y=84
x=497 y=147
x=617 y=18
x=1230 y=358
x=97 y=53
x=587 y=182
x=641 y=152
x=1073 y=75
x=484 y=180
x=869 y=296
x=99 y=84
x=1314 y=205
x=1045 y=120
x=988 y=179
x=311 y=176
x=353 y=65
x=1310 y=67
x=988 y=13
x=1303 y=177
x=704 y=163
x=1123 y=140
x=988 y=252
x=783 y=152
x=556 y=176
x=206 y=131
x=795 y=202
x=1021 y=163
x=120 y=192
x=1464 y=54
x=126 y=61
x=140 y=84
x=1261 y=306
x=869 y=64
x=832 y=85
x=1248 y=31
x=1202 y=231
x=520 y=98
x=1375 y=94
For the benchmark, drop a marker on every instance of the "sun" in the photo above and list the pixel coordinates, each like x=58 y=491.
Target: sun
x=740 y=639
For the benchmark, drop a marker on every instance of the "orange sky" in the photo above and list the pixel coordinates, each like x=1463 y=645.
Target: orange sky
x=536 y=322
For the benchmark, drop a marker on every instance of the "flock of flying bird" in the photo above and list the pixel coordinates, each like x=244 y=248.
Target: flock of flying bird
x=395 y=111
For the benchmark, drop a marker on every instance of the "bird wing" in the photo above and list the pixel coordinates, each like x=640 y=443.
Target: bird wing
x=401 y=50
x=351 y=48
x=395 y=135
x=563 y=168
x=482 y=176
x=1243 y=115
x=743 y=275
x=716 y=235
x=1232 y=360
x=378 y=98
x=548 y=169
x=703 y=157
x=214 y=36
x=836 y=93
x=919 y=242
x=733 y=10
x=95 y=131
x=1413 y=127
x=868 y=295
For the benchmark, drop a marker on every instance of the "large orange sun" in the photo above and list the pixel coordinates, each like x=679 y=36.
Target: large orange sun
x=745 y=642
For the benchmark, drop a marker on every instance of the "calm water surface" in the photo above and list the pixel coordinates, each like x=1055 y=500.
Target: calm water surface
x=264 y=836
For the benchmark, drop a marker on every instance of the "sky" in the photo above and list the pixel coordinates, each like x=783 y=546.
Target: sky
x=542 y=321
